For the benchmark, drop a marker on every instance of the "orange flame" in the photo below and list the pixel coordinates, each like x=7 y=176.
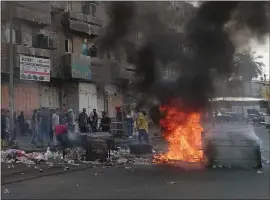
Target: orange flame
x=183 y=133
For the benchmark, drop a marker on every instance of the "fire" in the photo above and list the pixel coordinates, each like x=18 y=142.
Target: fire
x=183 y=133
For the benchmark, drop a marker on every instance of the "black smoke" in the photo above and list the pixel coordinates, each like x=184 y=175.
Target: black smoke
x=206 y=34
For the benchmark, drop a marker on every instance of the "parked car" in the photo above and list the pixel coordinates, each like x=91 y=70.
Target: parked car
x=227 y=117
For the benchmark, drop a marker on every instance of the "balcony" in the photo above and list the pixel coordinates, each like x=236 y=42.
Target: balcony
x=95 y=69
x=34 y=12
x=80 y=67
x=82 y=23
x=21 y=49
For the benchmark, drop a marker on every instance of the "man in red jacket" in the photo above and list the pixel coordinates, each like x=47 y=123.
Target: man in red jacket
x=61 y=134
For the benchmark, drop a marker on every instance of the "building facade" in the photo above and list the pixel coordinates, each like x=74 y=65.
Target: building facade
x=55 y=58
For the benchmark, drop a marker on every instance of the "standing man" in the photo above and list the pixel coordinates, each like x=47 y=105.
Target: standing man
x=21 y=123
x=63 y=114
x=45 y=126
x=71 y=120
x=83 y=121
x=130 y=124
x=105 y=123
x=55 y=122
x=34 y=126
x=3 y=128
x=142 y=126
x=94 y=120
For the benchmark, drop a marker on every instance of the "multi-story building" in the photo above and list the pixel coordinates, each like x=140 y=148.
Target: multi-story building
x=61 y=36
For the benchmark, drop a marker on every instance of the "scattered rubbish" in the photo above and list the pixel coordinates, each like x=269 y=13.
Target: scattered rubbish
x=48 y=155
x=77 y=185
x=267 y=162
x=66 y=168
x=6 y=191
x=75 y=157
x=41 y=170
x=71 y=162
x=95 y=174
x=171 y=182
x=62 y=181
x=259 y=172
x=214 y=166
x=22 y=173
x=220 y=166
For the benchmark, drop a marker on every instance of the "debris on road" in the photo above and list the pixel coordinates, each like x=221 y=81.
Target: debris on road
x=259 y=172
x=6 y=191
x=171 y=182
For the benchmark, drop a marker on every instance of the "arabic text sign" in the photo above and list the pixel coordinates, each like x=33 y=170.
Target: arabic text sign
x=33 y=68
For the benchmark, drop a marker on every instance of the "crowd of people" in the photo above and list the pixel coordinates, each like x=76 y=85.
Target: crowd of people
x=44 y=123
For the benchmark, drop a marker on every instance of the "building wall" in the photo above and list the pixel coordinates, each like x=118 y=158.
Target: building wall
x=243 y=89
x=87 y=97
x=26 y=97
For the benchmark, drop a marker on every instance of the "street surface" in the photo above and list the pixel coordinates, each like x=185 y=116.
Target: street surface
x=143 y=181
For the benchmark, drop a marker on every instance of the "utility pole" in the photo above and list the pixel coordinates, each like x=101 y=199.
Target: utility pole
x=11 y=84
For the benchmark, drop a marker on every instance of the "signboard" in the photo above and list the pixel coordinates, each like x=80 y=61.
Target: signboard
x=80 y=67
x=35 y=69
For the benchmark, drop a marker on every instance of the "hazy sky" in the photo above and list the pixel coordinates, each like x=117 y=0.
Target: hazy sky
x=260 y=49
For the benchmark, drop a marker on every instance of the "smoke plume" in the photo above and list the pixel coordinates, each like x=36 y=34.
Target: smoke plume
x=208 y=36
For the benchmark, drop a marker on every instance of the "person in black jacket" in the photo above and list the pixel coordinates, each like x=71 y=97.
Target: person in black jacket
x=3 y=125
x=83 y=121
x=21 y=123
x=105 y=123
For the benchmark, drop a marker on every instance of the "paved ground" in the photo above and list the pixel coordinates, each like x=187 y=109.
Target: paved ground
x=145 y=181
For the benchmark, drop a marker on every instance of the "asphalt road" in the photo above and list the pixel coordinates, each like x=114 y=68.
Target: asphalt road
x=148 y=182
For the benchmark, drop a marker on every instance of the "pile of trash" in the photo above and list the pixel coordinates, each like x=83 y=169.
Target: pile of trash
x=74 y=156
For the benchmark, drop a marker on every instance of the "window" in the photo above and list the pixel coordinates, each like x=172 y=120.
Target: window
x=42 y=41
x=68 y=6
x=68 y=45
x=86 y=8
x=93 y=9
x=16 y=36
x=89 y=8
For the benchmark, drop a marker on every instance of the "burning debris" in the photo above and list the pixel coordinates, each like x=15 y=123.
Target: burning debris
x=183 y=132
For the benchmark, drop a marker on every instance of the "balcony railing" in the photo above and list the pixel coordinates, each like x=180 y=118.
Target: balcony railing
x=31 y=15
x=82 y=23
